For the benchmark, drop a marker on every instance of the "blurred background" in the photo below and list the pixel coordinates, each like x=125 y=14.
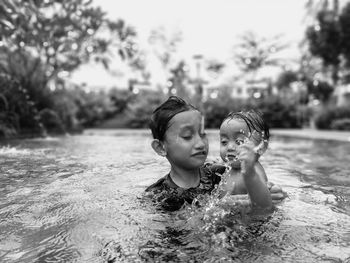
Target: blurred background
x=69 y=65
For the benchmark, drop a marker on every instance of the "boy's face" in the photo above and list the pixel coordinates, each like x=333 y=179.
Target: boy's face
x=185 y=143
x=233 y=132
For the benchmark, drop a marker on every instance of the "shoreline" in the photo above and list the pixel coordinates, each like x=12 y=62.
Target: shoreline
x=328 y=135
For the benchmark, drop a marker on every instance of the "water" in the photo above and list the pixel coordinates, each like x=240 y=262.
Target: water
x=80 y=199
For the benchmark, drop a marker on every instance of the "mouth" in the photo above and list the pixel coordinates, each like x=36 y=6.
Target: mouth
x=231 y=157
x=201 y=153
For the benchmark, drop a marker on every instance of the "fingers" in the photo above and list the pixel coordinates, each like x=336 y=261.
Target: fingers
x=269 y=184
x=247 y=148
x=275 y=189
x=277 y=196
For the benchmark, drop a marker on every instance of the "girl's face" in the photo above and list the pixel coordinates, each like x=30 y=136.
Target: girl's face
x=185 y=142
x=233 y=132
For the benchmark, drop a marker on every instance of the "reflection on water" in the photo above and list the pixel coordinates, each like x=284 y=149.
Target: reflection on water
x=80 y=199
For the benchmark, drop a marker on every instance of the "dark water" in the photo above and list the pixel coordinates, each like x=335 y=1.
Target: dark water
x=80 y=199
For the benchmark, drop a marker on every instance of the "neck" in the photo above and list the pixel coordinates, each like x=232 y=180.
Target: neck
x=185 y=178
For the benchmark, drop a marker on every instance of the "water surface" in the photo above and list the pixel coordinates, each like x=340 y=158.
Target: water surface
x=80 y=199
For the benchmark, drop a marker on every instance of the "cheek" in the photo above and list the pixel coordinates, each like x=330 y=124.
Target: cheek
x=222 y=150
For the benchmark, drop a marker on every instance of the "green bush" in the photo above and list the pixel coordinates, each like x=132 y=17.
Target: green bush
x=327 y=116
x=278 y=113
x=341 y=124
x=217 y=109
x=141 y=108
x=18 y=112
x=51 y=121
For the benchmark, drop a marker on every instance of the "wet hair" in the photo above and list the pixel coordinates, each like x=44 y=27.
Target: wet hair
x=253 y=119
x=164 y=113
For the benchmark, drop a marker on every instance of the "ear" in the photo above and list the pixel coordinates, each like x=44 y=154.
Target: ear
x=158 y=147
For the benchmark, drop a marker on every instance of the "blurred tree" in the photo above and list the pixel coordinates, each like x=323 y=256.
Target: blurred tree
x=165 y=47
x=177 y=81
x=344 y=22
x=321 y=90
x=58 y=37
x=214 y=67
x=253 y=53
x=329 y=38
x=325 y=41
x=121 y=99
x=285 y=79
x=42 y=41
x=313 y=7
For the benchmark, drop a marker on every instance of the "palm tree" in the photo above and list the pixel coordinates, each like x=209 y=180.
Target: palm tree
x=254 y=53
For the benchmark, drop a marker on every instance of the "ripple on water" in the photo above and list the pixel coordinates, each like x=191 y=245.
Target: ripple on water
x=79 y=199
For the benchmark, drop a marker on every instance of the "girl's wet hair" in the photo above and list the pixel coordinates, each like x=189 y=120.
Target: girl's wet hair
x=253 y=119
x=164 y=113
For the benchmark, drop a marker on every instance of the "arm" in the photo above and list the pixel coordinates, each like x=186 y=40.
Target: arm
x=277 y=194
x=254 y=178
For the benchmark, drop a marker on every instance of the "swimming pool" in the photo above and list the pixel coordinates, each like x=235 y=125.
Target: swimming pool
x=80 y=199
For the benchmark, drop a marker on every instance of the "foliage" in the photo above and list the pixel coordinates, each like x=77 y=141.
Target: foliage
x=215 y=67
x=344 y=22
x=42 y=42
x=177 y=79
x=325 y=38
x=120 y=99
x=88 y=108
x=329 y=38
x=321 y=90
x=51 y=121
x=278 y=113
x=59 y=36
x=140 y=110
x=253 y=52
x=217 y=109
x=332 y=117
x=341 y=124
x=165 y=45
x=18 y=111
x=285 y=79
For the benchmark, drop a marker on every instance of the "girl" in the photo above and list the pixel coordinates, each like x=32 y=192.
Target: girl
x=178 y=131
x=243 y=139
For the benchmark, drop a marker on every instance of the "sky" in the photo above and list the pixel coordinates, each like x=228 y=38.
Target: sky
x=210 y=28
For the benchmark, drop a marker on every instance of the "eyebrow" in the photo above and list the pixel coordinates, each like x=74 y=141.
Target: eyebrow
x=187 y=127
x=231 y=133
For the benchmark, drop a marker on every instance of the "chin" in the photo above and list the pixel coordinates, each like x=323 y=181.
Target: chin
x=236 y=164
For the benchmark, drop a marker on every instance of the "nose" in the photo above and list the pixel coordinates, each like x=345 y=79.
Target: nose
x=231 y=146
x=201 y=142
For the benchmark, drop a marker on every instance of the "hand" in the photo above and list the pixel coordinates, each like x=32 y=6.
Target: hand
x=248 y=157
x=277 y=194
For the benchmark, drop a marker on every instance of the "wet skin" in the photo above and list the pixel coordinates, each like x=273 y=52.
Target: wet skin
x=186 y=146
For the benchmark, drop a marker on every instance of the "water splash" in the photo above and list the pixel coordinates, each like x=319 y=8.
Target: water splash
x=7 y=150
x=260 y=149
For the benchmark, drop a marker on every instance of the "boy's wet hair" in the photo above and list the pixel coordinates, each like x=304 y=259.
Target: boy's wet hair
x=253 y=119
x=164 y=113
